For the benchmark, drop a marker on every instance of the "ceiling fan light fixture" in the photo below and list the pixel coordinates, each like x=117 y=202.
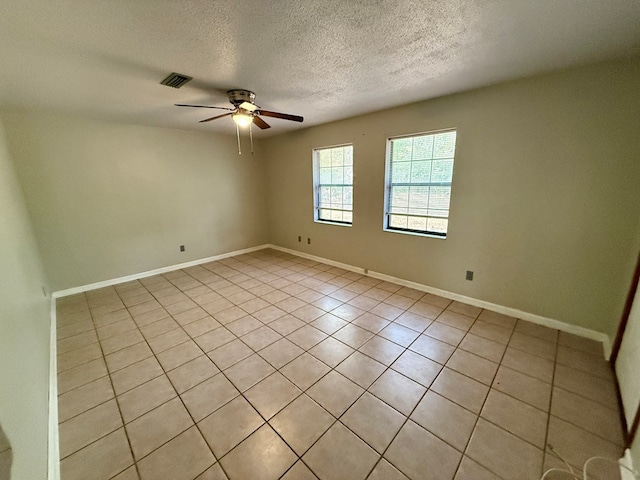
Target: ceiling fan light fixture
x=242 y=119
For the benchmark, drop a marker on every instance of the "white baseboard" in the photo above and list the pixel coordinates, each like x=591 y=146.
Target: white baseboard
x=53 y=464
x=512 y=312
x=150 y=273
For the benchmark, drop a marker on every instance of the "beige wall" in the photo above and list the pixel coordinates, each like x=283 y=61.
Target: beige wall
x=545 y=194
x=109 y=199
x=24 y=331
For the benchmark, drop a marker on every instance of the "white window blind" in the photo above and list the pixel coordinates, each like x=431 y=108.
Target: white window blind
x=333 y=180
x=419 y=174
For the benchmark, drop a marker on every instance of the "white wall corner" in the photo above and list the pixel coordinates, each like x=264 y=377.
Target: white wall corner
x=626 y=467
x=512 y=312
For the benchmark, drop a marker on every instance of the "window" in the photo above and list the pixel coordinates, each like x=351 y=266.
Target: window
x=333 y=184
x=418 y=187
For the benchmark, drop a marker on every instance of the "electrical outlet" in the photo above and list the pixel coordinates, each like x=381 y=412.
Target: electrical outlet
x=469 y=275
x=366 y=271
x=299 y=238
x=182 y=248
x=308 y=241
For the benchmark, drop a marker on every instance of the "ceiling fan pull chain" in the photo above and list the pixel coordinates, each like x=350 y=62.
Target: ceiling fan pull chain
x=238 y=134
x=251 y=137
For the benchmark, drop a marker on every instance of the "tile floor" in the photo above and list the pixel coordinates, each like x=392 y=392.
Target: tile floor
x=267 y=366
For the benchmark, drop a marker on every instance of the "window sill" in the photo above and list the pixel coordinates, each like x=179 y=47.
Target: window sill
x=326 y=222
x=416 y=234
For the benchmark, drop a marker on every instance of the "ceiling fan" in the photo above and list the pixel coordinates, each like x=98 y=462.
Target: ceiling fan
x=245 y=111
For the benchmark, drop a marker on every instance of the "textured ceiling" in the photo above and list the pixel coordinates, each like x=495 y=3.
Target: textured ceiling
x=323 y=59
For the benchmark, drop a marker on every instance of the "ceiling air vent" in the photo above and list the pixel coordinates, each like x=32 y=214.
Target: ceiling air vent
x=176 y=80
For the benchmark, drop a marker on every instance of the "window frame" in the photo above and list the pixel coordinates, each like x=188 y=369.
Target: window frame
x=316 y=187
x=387 y=188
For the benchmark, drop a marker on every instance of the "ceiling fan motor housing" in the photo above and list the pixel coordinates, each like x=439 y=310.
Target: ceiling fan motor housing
x=238 y=97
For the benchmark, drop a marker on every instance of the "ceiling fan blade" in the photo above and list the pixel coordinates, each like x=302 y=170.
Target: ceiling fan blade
x=217 y=116
x=284 y=116
x=260 y=122
x=203 y=106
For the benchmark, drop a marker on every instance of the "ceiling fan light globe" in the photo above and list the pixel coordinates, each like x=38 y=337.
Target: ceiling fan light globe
x=242 y=119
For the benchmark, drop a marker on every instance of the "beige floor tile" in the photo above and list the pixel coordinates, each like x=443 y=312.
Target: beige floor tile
x=201 y=326
x=533 y=345
x=539 y=331
x=331 y=351
x=151 y=316
x=470 y=470
x=307 y=337
x=460 y=389
x=146 y=397
x=214 y=339
x=88 y=427
x=191 y=316
x=128 y=356
x=136 y=374
x=529 y=364
x=498 y=319
x=129 y=474
x=386 y=311
x=182 y=458
x=353 y=335
x=243 y=325
x=347 y=312
x=158 y=328
x=589 y=386
x=433 y=349
x=399 y=301
x=445 y=419
x=84 y=398
x=371 y=322
x=417 y=367
x=178 y=355
x=361 y=369
x=373 y=421
x=400 y=392
x=261 y=338
x=421 y=455
x=229 y=425
x=586 y=362
x=503 y=453
x=339 y=454
x=192 y=373
x=206 y=397
x=104 y=459
x=281 y=352
x=482 y=347
x=153 y=429
x=272 y=394
x=382 y=350
x=426 y=309
x=77 y=341
x=327 y=303
x=123 y=340
x=601 y=421
x=385 y=471
x=80 y=356
x=286 y=324
x=580 y=343
x=473 y=366
x=576 y=445
x=299 y=471
x=413 y=321
x=457 y=320
x=335 y=393
x=248 y=372
x=167 y=340
x=81 y=375
x=523 y=387
x=398 y=334
x=464 y=308
x=229 y=354
x=301 y=423
x=116 y=328
x=262 y=456
x=491 y=331
x=304 y=371
x=445 y=333
x=516 y=417
x=214 y=472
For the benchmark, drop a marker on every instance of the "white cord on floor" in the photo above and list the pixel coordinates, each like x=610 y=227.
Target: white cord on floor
x=585 y=467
